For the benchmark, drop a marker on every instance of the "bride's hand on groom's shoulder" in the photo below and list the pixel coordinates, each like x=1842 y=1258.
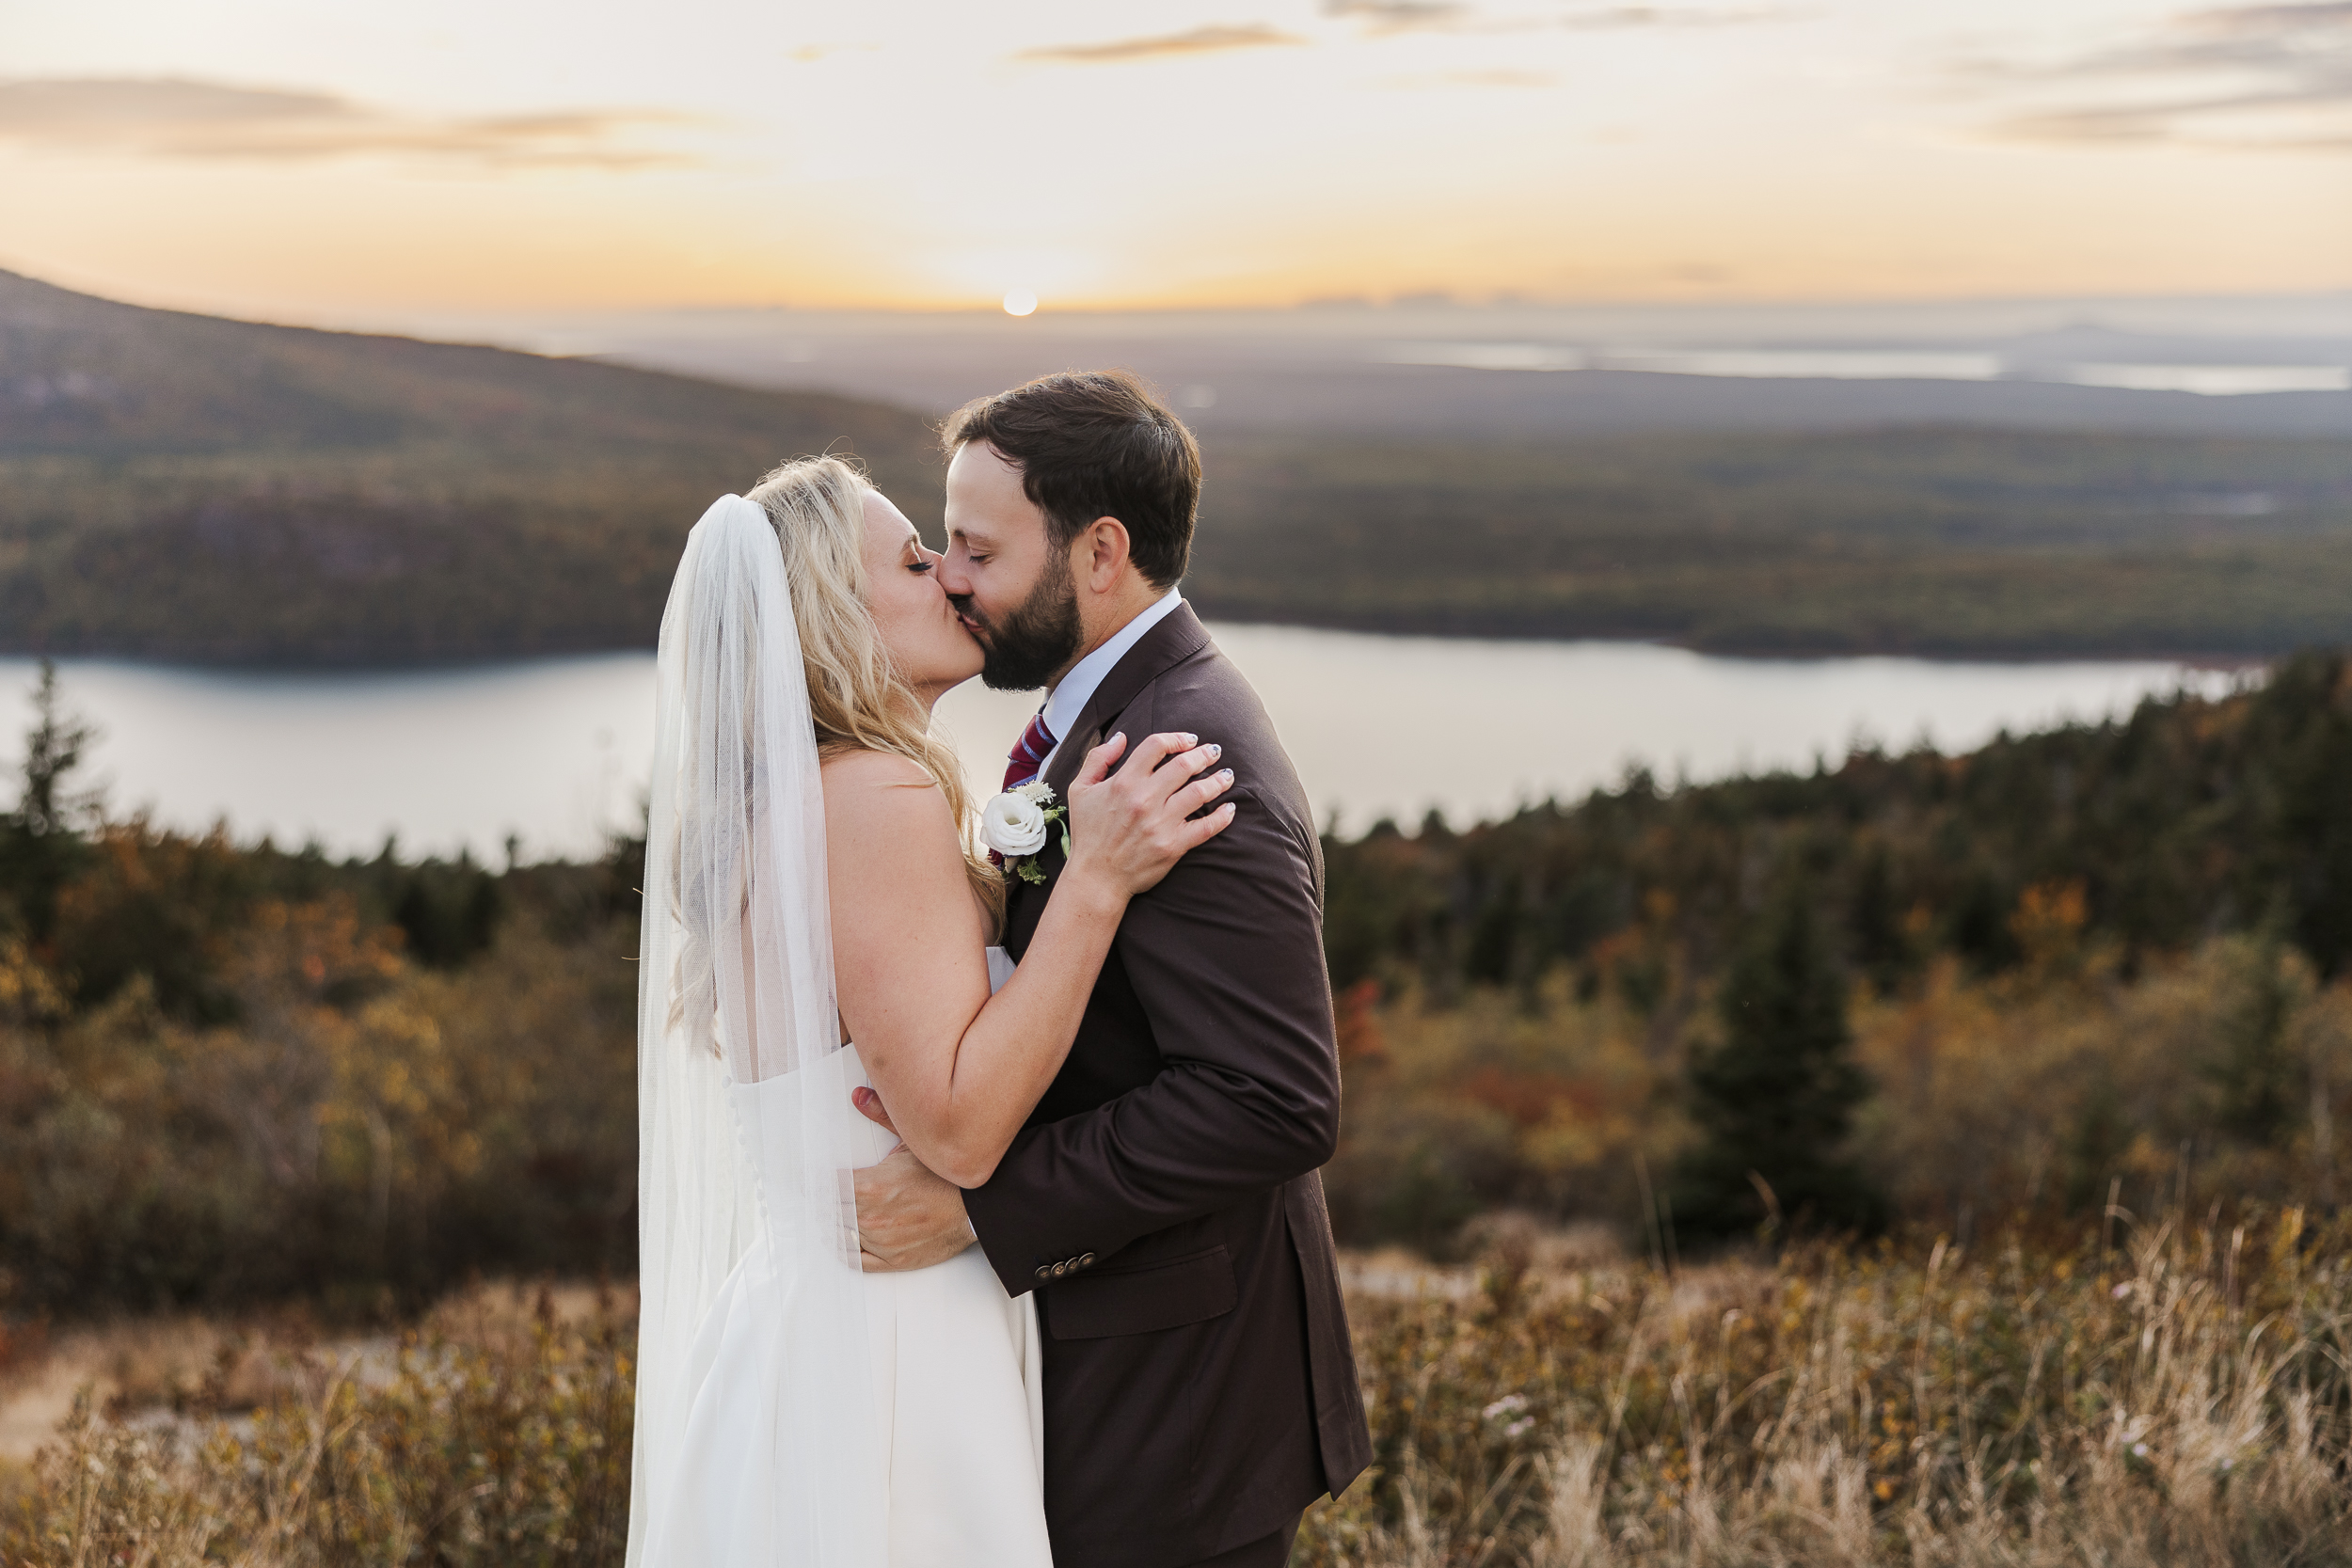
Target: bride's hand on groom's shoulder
x=1130 y=828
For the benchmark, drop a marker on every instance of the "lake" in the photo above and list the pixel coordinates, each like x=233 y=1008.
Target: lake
x=554 y=752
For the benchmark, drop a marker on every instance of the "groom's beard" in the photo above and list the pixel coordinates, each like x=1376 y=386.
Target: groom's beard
x=1038 y=639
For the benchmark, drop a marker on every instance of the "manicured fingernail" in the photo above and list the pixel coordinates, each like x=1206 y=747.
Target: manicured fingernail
x=1213 y=750
x=1226 y=774
x=1191 y=739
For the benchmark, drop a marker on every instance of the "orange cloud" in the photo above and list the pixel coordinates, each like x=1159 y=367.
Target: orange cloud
x=179 y=118
x=1200 y=40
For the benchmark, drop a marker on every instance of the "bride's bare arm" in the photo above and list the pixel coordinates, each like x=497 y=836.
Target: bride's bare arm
x=959 y=1070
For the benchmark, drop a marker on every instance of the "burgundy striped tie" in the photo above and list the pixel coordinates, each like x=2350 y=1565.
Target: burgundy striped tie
x=1028 y=756
x=1037 y=743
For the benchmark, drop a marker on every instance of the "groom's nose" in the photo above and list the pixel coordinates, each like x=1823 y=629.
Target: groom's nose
x=955 y=576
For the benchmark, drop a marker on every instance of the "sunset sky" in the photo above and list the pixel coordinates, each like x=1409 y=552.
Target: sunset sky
x=342 y=163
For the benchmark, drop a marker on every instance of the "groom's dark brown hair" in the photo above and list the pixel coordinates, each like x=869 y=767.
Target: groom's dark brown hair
x=1096 y=444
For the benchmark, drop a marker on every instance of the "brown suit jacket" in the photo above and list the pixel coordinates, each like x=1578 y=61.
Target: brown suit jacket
x=1163 y=1199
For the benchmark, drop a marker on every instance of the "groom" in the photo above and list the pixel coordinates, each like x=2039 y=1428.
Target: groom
x=1163 y=1199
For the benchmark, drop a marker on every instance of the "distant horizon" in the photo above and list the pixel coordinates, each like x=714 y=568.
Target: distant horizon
x=418 y=320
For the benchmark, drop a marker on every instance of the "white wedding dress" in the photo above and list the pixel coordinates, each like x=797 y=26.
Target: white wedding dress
x=792 y=1411
x=959 y=1432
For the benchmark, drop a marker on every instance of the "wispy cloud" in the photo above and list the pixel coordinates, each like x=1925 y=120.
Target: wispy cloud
x=1200 y=40
x=1480 y=79
x=1606 y=17
x=179 y=118
x=810 y=54
x=1400 y=16
x=1396 y=16
x=1499 y=79
x=2260 y=76
x=1383 y=18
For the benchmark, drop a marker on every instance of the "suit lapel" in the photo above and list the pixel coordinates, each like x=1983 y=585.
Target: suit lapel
x=1177 y=638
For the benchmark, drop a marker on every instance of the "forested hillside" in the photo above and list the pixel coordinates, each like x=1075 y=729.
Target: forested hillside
x=2105 y=963
x=2190 y=819
x=178 y=487
x=1937 y=540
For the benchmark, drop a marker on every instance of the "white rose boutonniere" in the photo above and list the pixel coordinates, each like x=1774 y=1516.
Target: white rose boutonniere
x=1015 y=824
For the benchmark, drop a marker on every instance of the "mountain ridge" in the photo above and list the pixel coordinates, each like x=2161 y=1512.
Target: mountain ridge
x=186 y=488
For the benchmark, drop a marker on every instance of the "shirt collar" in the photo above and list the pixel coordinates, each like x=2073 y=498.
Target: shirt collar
x=1077 y=687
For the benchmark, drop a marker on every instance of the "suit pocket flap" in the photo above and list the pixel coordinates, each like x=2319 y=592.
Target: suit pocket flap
x=1166 y=1296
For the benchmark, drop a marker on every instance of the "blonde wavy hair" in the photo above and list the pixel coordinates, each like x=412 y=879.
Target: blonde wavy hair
x=856 y=696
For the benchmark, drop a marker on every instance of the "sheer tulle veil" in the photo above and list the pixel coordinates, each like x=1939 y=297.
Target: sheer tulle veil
x=737 y=1168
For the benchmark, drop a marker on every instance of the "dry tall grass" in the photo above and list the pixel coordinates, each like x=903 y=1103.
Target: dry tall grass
x=2181 y=1401
x=491 y=1440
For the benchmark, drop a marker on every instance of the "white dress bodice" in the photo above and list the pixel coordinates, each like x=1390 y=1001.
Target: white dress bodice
x=958 y=1429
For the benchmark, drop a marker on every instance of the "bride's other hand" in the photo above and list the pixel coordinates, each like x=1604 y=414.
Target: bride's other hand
x=1130 y=828
x=870 y=1105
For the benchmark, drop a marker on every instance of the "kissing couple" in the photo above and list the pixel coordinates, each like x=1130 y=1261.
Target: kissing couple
x=1038 y=1269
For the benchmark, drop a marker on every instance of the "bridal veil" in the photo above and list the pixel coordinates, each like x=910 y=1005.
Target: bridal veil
x=735 y=991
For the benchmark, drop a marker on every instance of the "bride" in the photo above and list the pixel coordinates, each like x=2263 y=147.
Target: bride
x=810 y=881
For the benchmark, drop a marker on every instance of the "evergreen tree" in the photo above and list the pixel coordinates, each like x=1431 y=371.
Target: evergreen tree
x=1776 y=1099
x=1875 y=921
x=2258 y=1072
x=39 y=845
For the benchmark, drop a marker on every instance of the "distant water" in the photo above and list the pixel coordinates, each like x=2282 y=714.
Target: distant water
x=2206 y=380
x=555 y=751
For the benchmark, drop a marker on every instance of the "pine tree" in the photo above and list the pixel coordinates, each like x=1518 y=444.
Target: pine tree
x=39 y=845
x=1774 y=1101
x=2258 y=1073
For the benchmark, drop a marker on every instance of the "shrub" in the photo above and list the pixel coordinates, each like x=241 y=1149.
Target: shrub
x=487 y=1444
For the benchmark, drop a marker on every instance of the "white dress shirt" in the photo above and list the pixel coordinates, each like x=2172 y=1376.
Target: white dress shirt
x=1069 y=700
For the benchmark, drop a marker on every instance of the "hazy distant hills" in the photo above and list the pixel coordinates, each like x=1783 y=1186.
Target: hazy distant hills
x=1942 y=541
x=1386 y=373
x=179 y=487
x=81 y=374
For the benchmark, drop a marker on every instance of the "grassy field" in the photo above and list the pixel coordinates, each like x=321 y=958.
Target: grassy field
x=179 y=487
x=2167 y=1393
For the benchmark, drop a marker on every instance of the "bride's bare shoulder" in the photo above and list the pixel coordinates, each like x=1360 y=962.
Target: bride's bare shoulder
x=882 y=791
x=859 y=769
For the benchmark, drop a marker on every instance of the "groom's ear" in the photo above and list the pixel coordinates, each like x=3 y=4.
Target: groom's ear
x=1101 y=554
